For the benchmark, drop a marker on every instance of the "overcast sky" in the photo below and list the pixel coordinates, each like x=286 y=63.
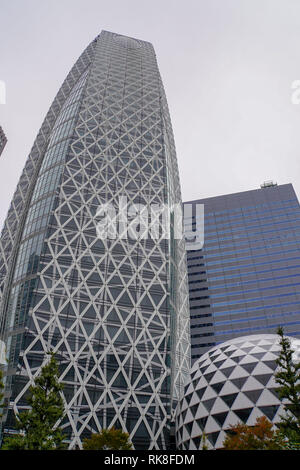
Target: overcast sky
x=227 y=67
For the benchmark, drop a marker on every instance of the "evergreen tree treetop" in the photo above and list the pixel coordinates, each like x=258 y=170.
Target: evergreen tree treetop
x=38 y=425
x=288 y=378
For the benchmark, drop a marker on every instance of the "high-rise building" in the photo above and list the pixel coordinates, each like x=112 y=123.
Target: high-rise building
x=3 y=140
x=246 y=278
x=114 y=310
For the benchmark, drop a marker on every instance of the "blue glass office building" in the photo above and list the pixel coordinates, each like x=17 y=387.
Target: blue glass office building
x=246 y=278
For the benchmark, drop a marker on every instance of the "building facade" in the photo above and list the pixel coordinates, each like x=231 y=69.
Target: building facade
x=231 y=383
x=114 y=309
x=246 y=278
x=3 y=140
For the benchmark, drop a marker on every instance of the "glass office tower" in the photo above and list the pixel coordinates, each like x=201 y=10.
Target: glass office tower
x=114 y=310
x=246 y=278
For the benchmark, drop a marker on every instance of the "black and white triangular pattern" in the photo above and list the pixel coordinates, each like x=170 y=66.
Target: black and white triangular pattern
x=115 y=311
x=232 y=382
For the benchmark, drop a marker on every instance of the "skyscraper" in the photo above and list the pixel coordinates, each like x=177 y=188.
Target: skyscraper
x=114 y=310
x=246 y=278
x=3 y=140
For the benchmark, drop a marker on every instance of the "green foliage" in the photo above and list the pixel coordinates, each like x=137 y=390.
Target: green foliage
x=204 y=442
x=37 y=425
x=261 y=436
x=288 y=378
x=108 y=439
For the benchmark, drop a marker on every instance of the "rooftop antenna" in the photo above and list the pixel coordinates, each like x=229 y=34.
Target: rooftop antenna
x=268 y=184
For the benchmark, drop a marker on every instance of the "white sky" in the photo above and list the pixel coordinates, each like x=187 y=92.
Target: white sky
x=227 y=67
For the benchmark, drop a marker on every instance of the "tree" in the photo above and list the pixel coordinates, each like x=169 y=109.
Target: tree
x=257 y=437
x=288 y=377
x=204 y=442
x=108 y=439
x=37 y=425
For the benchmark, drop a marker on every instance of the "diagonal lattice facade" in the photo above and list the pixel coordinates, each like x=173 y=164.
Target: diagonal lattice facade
x=231 y=383
x=3 y=140
x=115 y=311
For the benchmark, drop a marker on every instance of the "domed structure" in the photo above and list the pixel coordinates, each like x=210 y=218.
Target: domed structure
x=232 y=382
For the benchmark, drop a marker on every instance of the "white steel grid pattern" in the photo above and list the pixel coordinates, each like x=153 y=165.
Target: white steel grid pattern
x=115 y=311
